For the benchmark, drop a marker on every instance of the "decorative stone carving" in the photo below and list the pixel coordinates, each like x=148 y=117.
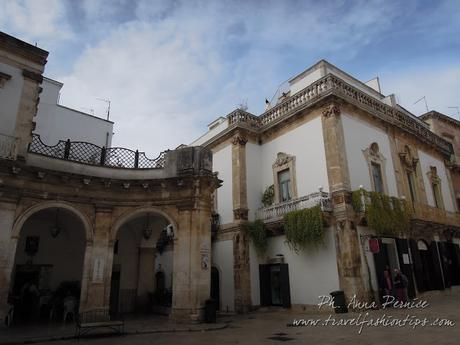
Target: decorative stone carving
x=240 y=214
x=331 y=110
x=3 y=79
x=282 y=159
x=407 y=159
x=239 y=140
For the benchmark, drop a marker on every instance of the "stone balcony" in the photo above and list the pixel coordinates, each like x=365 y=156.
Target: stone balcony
x=7 y=146
x=276 y=212
x=436 y=215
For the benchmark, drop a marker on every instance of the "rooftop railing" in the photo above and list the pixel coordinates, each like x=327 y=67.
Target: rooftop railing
x=87 y=153
x=331 y=84
x=7 y=146
x=277 y=211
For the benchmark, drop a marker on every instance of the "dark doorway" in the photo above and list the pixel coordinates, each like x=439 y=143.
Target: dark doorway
x=453 y=254
x=215 y=286
x=386 y=257
x=274 y=285
x=114 y=292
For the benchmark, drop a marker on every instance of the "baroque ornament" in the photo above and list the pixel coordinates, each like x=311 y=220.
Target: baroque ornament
x=331 y=110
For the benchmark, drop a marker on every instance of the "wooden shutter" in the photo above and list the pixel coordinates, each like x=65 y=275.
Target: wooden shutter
x=437 y=280
x=285 y=286
x=406 y=269
x=444 y=256
x=418 y=267
x=264 y=284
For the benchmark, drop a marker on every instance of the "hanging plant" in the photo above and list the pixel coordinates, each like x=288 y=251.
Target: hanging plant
x=304 y=228
x=256 y=232
x=268 y=196
x=388 y=216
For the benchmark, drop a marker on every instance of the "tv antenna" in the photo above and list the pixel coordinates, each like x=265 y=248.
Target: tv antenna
x=107 y=101
x=458 y=111
x=426 y=105
x=243 y=105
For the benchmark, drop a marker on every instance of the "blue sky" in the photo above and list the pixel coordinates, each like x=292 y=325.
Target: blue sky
x=171 y=67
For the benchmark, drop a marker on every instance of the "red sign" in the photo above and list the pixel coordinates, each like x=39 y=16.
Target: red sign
x=374 y=245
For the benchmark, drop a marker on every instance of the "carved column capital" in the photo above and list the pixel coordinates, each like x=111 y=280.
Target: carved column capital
x=239 y=140
x=331 y=110
x=240 y=214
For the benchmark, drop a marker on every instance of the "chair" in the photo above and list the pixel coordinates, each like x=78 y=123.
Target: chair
x=69 y=308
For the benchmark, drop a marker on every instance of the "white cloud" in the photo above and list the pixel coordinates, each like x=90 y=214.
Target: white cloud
x=171 y=67
x=439 y=84
x=42 y=21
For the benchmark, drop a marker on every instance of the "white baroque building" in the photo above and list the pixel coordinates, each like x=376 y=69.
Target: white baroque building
x=328 y=135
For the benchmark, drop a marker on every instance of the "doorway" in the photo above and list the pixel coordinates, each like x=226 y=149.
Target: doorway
x=274 y=285
x=215 y=286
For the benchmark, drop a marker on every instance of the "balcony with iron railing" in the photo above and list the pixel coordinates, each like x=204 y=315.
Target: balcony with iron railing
x=87 y=153
x=277 y=211
x=8 y=145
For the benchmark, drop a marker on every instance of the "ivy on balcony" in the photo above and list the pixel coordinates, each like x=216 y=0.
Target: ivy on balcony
x=388 y=216
x=256 y=232
x=304 y=228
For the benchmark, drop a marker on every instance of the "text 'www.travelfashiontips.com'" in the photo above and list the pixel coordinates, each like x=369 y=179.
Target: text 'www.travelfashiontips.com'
x=365 y=319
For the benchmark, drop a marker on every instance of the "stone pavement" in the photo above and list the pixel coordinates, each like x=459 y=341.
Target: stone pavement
x=52 y=332
x=271 y=327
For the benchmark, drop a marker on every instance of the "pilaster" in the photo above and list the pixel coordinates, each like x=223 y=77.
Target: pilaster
x=346 y=237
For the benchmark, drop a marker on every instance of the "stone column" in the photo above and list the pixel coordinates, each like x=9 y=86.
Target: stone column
x=97 y=271
x=241 y=267
x=191 y=263
x=27 y=110
x=346 y=236
x=7 y=254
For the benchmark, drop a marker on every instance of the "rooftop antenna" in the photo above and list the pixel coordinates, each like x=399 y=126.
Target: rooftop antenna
x=243 y=105
x=426 y=105
x=458 y=111
x=108 y=106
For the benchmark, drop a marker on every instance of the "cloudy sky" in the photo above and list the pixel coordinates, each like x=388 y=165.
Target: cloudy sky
x=170 y=66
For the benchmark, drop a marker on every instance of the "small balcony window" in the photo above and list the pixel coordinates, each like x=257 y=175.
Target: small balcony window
x=377 y=177
x=284 y=182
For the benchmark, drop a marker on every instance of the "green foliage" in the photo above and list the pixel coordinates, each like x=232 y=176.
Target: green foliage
x=268 y=196
x=304 y=228
x=258 y=236
x=388 y=216
x=356 y=201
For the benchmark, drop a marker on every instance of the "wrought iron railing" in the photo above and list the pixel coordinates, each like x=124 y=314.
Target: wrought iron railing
x=331 y=84
x=87 y=153
x=277 y=211
x=7 y=146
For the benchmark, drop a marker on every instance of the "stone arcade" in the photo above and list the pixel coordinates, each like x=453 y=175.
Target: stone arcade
x=66 y=216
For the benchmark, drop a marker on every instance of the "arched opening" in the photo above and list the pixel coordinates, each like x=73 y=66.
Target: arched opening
x=215 y=286
x=142 y=265
x=48 y=265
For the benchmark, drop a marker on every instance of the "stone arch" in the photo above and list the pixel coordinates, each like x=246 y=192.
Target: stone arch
x=133 y=213
x=19 y=222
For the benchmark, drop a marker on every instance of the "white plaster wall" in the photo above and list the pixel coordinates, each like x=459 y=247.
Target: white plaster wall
x=312 y=272
x=10 y=96
x=427 y=160
x=222 y=163
x=211 y=133
x=255 y=185
x=222 y=259
x=359 y=136
x=56 y=122
x=306 y=80
x=65 y=252
x=306 y=144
